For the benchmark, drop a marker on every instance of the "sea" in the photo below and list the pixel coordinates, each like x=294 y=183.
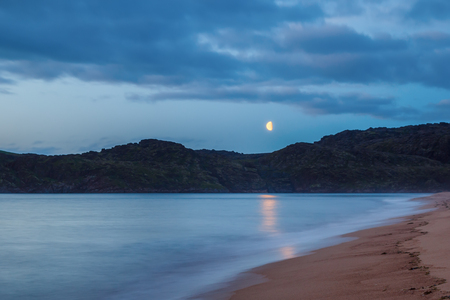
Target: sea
x=168 y=246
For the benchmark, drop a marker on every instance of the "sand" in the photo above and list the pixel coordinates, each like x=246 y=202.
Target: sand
x=407 y=260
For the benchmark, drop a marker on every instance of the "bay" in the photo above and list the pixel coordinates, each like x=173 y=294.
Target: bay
x=167 y=246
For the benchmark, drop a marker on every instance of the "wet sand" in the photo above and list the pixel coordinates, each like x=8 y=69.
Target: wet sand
x=407 y=260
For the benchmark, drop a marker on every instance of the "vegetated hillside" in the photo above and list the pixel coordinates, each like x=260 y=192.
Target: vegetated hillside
x=147 y=166
x=406 y=159
x=431 y=141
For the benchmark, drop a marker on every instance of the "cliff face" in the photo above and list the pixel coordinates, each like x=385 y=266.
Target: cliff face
x=406 y=159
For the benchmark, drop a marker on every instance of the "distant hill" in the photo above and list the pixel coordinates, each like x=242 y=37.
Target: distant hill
x=406 y=159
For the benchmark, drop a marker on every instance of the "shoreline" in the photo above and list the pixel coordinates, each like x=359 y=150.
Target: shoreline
x=404 y=260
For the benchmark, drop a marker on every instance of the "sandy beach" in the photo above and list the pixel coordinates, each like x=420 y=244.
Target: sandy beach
x=406 y=260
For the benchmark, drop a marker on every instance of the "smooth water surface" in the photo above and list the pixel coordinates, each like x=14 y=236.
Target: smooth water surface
x=166 y=246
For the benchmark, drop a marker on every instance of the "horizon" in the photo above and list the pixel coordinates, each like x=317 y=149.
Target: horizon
x=220 y=150
x=86 y=75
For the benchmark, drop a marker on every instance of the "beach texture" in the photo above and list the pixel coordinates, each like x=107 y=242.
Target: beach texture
x=406 y=260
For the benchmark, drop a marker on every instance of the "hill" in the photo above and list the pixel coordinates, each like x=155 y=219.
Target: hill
x=405 y=159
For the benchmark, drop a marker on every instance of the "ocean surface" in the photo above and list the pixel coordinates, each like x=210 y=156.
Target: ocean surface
x=167 y=246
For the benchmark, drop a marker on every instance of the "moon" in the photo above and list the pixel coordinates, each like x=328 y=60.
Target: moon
x=269 y=126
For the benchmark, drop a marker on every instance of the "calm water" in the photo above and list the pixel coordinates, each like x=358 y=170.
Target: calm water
x=166 y=246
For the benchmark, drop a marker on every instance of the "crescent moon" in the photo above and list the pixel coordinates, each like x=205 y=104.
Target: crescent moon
x=269 y=126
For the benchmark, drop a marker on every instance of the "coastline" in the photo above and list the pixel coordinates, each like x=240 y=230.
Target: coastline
x=405 y=260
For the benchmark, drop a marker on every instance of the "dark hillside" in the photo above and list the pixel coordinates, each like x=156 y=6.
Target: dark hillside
x=406 y=159
x=430 y=140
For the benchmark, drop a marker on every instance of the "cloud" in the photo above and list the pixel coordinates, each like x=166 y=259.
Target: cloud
x=328 y=39
x=359 y=104
x=6 y=81
x=428 y=10
x=89 y=39
x=326 y=53
x=431 y=40
x=443 y=104
x=228 y=50
x=310 y=103
x=437 y=111
x=345 y=7
x=5 y=92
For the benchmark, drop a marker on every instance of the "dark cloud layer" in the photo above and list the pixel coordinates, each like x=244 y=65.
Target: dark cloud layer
x=218 y=47
x=337 y=39
x=142 y=38
x=312 y=103
x=429 y=10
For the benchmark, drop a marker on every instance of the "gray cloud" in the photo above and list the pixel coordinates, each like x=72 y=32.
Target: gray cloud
x=347 y=7
x=47 y=38
x=337 y=39
x=312 y=103
x=428 y=10
x=431 y=40
x=6 y=81
x=437 y=111
x=5 y=92
x=225 y=50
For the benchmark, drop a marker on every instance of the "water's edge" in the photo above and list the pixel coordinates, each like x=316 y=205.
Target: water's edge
x=247 y=278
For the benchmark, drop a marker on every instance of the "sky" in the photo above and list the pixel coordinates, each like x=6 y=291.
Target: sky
x=84 y=75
